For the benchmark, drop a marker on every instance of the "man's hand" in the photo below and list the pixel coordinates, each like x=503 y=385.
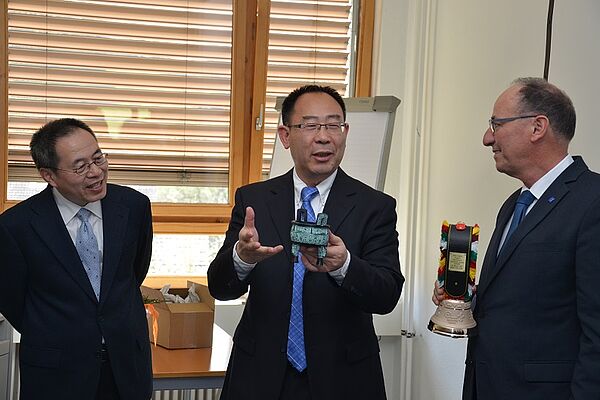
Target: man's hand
x=439 y=294
x=335 y=258
x=248 y=247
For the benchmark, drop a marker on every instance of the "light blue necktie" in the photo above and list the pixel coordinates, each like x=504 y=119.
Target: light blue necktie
x=87 y=248
x=523 y=202
x=295 y=346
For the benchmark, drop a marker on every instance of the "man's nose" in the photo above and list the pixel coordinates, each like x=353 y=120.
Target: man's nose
x=488 y=137
x=94 y=169
x=322 y=135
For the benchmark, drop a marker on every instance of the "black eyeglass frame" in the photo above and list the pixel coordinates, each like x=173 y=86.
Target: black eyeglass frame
x=314 y=126
x=99 y=160
x=494 y=123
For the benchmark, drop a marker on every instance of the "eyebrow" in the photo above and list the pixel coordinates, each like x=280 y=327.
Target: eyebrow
x=330 y=116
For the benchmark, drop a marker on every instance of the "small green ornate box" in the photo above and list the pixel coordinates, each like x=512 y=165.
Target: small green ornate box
x=310 y=234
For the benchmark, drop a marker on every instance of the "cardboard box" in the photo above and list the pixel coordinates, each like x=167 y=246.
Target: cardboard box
x=183 y=326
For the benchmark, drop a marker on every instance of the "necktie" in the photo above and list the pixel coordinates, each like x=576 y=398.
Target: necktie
x=87 y=248
x=523 y=202
x=295 y=346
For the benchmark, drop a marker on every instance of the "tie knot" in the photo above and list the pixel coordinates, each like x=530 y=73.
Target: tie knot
x=526 y=198
x=84 y=214
x=308 y=192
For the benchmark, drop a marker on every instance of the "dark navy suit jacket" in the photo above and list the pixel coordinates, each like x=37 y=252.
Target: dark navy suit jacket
x=538 y=302
x=46 y=295
x=341 y=346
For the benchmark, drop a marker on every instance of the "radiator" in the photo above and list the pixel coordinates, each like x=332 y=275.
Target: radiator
x=200 y=394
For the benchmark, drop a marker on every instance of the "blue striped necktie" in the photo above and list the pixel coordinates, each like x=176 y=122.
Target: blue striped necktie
x=87 y=248
x=295 y=346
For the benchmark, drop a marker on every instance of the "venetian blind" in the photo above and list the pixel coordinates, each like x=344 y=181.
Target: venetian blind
x=151 y=77
x=310 y=42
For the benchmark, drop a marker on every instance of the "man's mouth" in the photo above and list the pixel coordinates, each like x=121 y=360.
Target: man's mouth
x=322 y=155
x=96 y=185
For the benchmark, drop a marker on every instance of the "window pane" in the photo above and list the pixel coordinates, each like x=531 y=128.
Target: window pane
x=310 y=42
x=183 y=254
x=152 y=78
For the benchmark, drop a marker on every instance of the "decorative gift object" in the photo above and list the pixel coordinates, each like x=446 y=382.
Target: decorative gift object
x=308 y=233
x=456 y=274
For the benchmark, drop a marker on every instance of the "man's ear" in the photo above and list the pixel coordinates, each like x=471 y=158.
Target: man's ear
x=284 y=135
x=48 y=175
x=541 y=125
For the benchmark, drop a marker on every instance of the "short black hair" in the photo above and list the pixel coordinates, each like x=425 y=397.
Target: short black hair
x=290 y=101
x=540 y=96
x=43 y=141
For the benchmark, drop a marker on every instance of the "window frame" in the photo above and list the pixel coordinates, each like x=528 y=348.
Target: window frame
x=248 y=94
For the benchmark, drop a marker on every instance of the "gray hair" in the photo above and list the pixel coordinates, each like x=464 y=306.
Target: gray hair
x=540 y=96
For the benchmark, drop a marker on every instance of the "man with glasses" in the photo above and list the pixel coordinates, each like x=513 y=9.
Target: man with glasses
x=307 y=328
x=538 y=305
x=72 y=259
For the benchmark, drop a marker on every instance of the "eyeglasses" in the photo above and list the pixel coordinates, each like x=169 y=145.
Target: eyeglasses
x=83 y=169
x=330 y=127
x=496 y=122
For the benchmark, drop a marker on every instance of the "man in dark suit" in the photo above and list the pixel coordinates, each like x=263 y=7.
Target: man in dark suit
x=538 y=306
x=332 y=352
x=72 y=259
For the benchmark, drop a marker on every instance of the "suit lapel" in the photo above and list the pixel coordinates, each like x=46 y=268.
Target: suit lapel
x=545 y=204
x=340 y=201
x=50 y=227
x=114 y=223
x=489 y=264
x=280 y=203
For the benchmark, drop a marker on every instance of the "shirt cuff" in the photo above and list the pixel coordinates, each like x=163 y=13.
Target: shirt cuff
x=241 y=267
x=339 y=274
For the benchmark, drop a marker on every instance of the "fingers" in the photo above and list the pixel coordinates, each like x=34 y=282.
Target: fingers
x=334 y=259
x=249 y=218
x=248 y=247
x=248 y=232
x=335 y=240
x=439 y=294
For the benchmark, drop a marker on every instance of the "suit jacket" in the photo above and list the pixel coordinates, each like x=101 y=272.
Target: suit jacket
x=341 y=346
x=46 y=295
x=538 y=303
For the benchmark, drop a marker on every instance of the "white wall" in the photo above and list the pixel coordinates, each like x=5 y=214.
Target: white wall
x=448 y=61
x=574 y=67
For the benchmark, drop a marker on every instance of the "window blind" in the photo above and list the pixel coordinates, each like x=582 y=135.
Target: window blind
x=151 y=77
x=310 y=42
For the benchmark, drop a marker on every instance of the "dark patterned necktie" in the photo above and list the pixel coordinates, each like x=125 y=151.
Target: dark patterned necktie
x=87 y=248
x=295 y=347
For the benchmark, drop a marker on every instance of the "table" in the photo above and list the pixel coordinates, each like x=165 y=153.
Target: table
x=190 y=369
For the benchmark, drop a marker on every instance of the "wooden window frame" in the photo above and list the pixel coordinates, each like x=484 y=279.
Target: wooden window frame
x=248 y=93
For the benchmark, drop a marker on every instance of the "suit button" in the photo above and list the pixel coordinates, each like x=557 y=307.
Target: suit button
x=283 y=349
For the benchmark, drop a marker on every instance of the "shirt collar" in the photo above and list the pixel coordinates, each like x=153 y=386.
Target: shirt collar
x=542 y=184
x=324 y=187
x=68 y=209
